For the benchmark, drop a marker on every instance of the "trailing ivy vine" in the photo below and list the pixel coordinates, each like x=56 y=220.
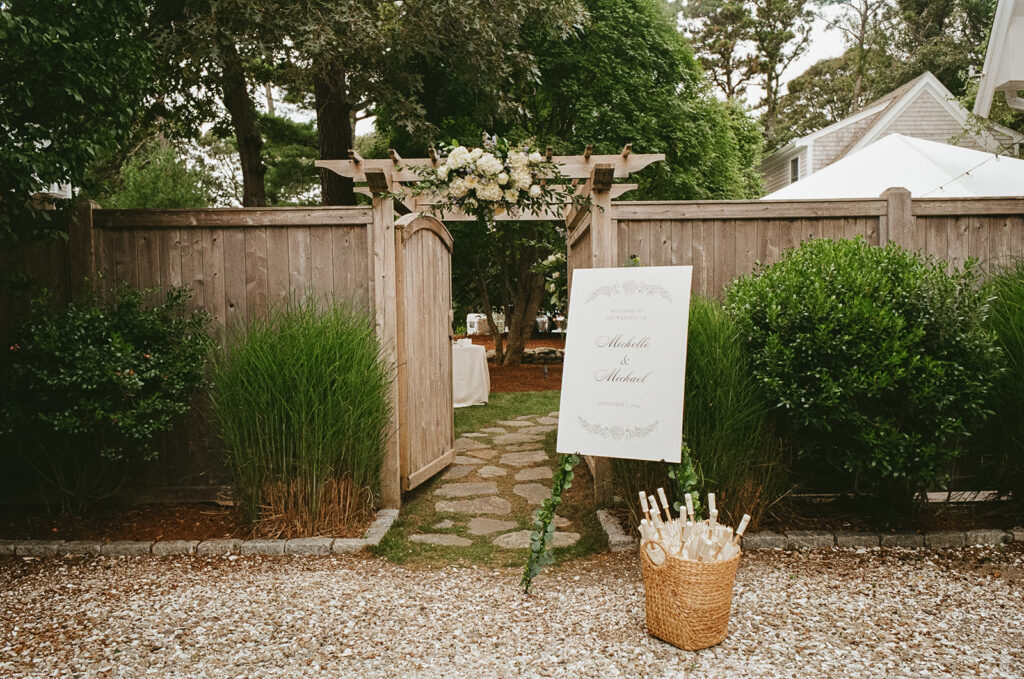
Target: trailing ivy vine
x=543 y=521
x=687 y=481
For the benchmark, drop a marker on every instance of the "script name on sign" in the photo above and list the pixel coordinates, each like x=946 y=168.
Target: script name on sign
x=625 y=363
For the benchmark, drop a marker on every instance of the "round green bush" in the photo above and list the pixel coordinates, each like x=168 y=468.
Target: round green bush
x=878 y=356
x=87 y=389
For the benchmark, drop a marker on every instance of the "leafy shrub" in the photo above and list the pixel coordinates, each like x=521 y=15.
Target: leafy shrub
x=726 y=426
x=877 y=355
x=1005 y=431
x=158 y=178
x=87 y=389
x=301 y=402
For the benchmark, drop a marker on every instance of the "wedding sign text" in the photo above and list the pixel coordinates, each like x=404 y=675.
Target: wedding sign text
x=625 y=363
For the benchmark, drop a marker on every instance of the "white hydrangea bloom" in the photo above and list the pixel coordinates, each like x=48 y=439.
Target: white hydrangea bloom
x=458 y=157
x=518 y=160
x=489 y=192
x=512 y=195
x=536 y=157
x=503 y=178
x=442 y=172
x=521 y=179
x=458 y=187
x=489 y=165
x=476 y=153
x=535 y=191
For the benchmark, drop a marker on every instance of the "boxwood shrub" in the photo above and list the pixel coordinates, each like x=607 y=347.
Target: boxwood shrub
x=878 y=355
x=87 y=389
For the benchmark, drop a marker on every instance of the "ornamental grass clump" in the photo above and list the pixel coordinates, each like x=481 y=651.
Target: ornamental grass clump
x=727 y=428
x=1004 y=433
x=88 y=390
x=878 y=357
x=300 y=399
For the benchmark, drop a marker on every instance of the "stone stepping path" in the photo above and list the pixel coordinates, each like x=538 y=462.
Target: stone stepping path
x=501 y=473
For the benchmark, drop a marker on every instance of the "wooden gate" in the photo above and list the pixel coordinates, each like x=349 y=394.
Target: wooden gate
x=426 y=431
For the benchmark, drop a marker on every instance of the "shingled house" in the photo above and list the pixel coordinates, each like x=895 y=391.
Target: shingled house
x=921 y=108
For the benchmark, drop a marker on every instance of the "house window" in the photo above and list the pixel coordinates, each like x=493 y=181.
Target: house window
x=794 y=169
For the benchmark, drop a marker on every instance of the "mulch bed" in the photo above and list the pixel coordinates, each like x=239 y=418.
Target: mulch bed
x=525 y=377
x=145 y=522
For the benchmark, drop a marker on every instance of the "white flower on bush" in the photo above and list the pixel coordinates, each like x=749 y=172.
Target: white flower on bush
x=457 y=158
x=489 y=192
x=535 y=191
x=536 y=157
x=503 y=178
x=458 y=188
x=476 y=153
x=521 y=179
x=518 y=160
x=556 y=274
x=489 y=165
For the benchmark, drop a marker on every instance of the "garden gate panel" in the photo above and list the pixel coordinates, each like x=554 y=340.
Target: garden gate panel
x=424 y=299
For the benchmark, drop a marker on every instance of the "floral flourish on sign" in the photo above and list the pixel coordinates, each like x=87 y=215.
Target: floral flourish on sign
x=617 y=432
x=495 y=179
x=630 y=288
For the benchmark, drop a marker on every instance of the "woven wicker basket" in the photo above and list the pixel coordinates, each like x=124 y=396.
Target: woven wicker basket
x=688 y=602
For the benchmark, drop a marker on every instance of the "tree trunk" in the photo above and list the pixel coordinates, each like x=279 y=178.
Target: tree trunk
x=485 y=298
x=527 y=296
x=335 y=130
x=243 y=118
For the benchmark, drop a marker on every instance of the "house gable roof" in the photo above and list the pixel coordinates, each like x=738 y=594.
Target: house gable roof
x=887 y=109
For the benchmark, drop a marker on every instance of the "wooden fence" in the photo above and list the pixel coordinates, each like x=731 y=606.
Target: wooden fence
x=240 y=262
x=726 y=239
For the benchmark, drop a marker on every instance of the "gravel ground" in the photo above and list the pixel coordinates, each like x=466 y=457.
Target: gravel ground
x=889 y=613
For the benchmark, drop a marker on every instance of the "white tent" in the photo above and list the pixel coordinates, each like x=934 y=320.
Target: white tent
x=927 y=169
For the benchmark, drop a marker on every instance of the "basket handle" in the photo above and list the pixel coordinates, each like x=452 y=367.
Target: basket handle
x=645 y=548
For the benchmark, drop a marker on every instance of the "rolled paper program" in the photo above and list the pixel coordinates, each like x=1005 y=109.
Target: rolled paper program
x=664 y=503
x=644 y=506
x=739 y=529
x=655 y=512
x=711 y=503
x=689 y=506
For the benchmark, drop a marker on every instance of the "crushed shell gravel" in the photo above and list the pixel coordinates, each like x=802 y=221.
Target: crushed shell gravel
x=877 y=613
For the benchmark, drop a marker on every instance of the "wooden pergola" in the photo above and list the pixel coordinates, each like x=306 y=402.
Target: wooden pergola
x=590 y=175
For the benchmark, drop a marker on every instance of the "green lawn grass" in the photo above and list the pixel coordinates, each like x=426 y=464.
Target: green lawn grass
x=505 y=407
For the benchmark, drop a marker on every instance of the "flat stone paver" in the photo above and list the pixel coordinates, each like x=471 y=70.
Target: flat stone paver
x=491 y=472
x=465 y=459
x=441 y=539
x=524 y=459
x=547 y=420
x=493 y=430
x=480 y=505
x=534 y=493
x=482 y=526
x=482 y=453
x=515 y=423
x=554 y=414
x=457 y=471
x=443 y=525
x=519 y=447
x=534 y=474
x=506 y=439
x=464 y=444
x=475 y=435
x=521 y=540
x=467 y=489
x=543 y=429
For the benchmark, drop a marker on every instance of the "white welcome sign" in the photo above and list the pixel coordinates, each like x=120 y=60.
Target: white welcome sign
x=625 y=363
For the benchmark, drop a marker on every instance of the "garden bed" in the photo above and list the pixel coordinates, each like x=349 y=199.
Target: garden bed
x=146 y=523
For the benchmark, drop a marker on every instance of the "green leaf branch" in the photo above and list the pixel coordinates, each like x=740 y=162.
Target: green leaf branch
x=543 y=521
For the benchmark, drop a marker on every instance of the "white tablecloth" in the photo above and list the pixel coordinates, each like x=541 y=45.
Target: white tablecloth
x=471 y=383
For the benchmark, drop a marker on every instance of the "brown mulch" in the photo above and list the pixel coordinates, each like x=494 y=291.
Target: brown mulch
x=525 y=377
x=145 y=522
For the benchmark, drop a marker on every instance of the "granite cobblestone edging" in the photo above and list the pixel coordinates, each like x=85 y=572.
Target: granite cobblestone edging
x=299 y=546
x=619 y=540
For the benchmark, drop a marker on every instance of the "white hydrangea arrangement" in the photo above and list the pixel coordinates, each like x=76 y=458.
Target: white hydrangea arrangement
x=494 y=179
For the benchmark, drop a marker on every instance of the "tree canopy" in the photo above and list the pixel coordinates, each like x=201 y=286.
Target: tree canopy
x=73 y=80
